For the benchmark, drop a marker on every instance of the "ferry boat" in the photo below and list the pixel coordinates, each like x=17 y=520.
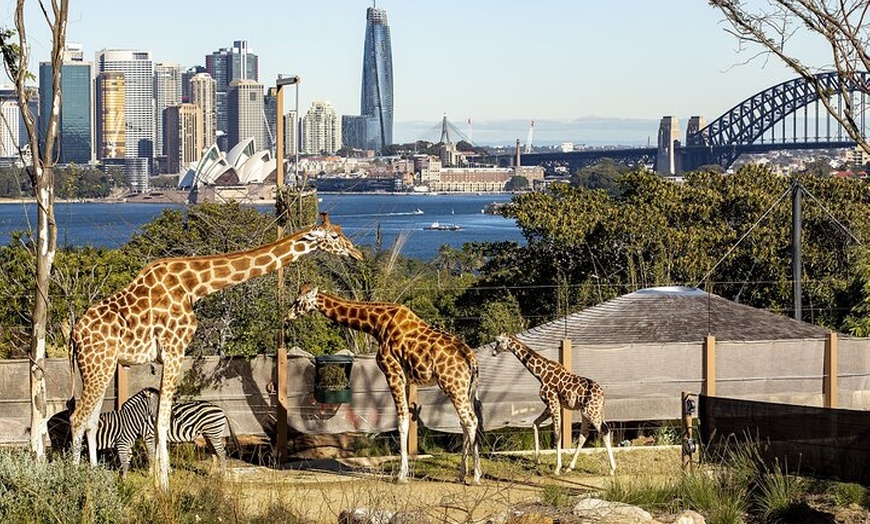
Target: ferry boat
x=438 y=226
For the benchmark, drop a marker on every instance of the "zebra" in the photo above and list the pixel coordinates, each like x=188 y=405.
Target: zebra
x=188 y=421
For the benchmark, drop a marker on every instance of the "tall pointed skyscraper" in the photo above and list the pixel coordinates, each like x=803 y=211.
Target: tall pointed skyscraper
x=376 y=99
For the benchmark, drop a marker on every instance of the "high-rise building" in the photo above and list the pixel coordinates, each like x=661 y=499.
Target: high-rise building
x=75 y=138
x=245 y=113
x=225 y=65
x=167 y=92
x=111 y=116
x=186 y=77
x=138 y=69
x=203 y=92
x=376 y=99
x=13 y=136
x=321 y=130
x=183 y=132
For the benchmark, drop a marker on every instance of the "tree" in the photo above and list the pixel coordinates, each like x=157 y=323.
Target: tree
x=41 y=172
x=517 y=183
x=838 y=25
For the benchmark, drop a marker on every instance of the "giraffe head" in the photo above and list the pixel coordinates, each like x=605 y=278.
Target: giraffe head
x=328 y=237
x=502 y=343
x=304 y=303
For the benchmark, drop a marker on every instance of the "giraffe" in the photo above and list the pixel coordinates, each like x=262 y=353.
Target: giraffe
x=152 y=319
x=561 y=388
x=411 y=352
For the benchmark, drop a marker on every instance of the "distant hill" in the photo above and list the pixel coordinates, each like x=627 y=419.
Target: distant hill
x=588 y=130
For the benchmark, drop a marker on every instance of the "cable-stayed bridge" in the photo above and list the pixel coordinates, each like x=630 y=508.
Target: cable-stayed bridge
x=787 y=116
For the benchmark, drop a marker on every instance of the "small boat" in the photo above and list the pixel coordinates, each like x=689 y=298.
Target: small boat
x=438 y=226
x=417 y=211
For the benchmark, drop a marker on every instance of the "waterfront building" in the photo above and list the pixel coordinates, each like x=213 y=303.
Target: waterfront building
x=373 y=128
x=138 y=70
x=167 y=93
x=245 y=113
x=75 y=133
x=238 y=62
x=321 y=131
x=183 y=136
x=111 y=116
x=203 y=92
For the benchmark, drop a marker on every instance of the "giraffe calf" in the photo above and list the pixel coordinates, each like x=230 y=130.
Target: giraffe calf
x=561 y=389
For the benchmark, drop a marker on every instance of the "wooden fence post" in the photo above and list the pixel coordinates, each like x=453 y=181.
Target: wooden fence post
x=281 y=408
x=413 y=424
x=121 y=389
x=709 y=367
x=831 y=367
x=565 y=357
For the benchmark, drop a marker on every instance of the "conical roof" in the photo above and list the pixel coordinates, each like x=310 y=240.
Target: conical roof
x=669 y=314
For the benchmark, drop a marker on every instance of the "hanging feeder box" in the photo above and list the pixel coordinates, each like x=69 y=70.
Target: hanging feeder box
x=332 y=378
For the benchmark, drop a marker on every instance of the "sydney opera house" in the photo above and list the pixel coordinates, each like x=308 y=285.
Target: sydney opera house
x=243 y=172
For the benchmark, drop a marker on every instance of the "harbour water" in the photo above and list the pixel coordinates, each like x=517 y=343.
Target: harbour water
x=402 y=218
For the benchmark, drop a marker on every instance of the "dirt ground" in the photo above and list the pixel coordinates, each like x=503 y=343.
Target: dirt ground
x=319 y=490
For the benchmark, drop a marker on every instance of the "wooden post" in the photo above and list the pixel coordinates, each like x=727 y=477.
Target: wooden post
x=122 y=391
x=281 y=357
x=831 y=367
x=281 y=408
x=565 y=357
x=709 y=367
x=686 y=425
x=413 y=424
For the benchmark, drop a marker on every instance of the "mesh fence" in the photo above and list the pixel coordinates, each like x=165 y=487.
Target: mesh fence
x=821 y=442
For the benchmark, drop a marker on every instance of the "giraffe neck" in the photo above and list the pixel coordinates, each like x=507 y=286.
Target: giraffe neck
x=216 y=272
x=534 y=362
x=349 y=313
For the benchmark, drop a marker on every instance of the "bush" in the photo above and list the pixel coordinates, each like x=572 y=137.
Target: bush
x=39 y=491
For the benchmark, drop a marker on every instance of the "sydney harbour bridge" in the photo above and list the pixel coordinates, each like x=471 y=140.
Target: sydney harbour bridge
x=786 y=116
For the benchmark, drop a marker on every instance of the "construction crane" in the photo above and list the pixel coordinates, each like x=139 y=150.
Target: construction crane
x=529 y=138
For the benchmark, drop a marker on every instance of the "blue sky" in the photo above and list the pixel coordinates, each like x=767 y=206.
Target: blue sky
x=483 y=60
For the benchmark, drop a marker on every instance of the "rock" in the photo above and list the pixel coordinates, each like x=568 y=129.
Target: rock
x=606 y=512
x=365 y=516
x=690 y=517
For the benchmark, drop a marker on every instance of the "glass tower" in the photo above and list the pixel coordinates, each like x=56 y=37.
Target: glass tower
x=376 y=99
x=75 y=137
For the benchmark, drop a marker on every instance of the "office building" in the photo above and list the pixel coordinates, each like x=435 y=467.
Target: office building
x=225 y=65
x=75 y=132
x=13 y=137
x=183 y=132
x=203 y=92
x=167 y=93
x=376 y=98
x=138 y=69
x=186 y=77
x=245 y=113
x=111 y=136
x=321 y=130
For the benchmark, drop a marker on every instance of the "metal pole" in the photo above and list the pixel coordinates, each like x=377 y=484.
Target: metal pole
x=796 y=246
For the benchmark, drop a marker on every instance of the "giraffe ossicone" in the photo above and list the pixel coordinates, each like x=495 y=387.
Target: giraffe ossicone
x=411 y=352
x=152 y=319
x=560 y=388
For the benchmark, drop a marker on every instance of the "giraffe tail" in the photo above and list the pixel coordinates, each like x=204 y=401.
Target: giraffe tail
x=73 y=350
x=477 y=404
x=605 y=429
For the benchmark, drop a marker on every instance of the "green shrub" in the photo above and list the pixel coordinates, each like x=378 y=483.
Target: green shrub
x=647 y=492
x=778 y=495
x=34 y=491
x=848 y=493
x=555 y=495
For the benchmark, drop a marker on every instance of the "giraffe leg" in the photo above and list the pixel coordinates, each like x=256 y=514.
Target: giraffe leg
x=168 y=384
x=397 y=383
x=86 y=415
x=608 y=444
x=468 y=421
x=557 y=433
x=535 y=425
x=581 y=439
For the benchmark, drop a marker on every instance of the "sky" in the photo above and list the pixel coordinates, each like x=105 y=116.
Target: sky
x=581 y=69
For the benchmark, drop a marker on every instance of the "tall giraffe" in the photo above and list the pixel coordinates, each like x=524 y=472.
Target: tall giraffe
x=411 y=352
x=561 y=388
x=152 y=319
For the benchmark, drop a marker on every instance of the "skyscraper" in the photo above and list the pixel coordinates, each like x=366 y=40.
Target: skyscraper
x=376 y=99
x=13 y=136
x=225 y=65
x=75 y=127
x=203 y=91
x=245 y=113
x=111 y=117
x=167 y=93
x=183 y=135
x=321 y=132
x=138 y=69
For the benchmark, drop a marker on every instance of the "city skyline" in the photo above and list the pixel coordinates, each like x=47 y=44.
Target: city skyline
x=484 y=61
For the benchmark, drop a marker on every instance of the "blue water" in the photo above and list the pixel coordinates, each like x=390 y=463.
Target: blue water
x=111 y=225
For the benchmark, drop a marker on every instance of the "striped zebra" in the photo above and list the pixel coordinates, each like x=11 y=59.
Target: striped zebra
x=188 y=421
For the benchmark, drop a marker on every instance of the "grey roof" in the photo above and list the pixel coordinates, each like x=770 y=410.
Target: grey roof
x=670 y=315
